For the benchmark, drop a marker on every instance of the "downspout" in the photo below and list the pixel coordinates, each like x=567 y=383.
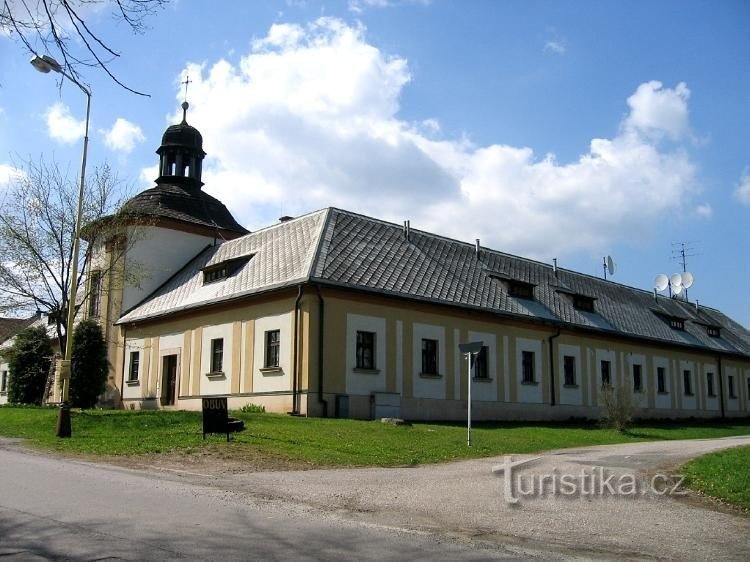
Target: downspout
x=721 y=387
x=295 y=390
x=321 y=324
x=124 y=367
x=552 y=367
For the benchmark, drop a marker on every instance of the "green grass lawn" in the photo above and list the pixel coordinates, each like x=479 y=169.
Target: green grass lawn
x=326 y=442
x=724 y=475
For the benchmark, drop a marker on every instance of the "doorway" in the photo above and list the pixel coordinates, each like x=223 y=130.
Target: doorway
x=168 y=380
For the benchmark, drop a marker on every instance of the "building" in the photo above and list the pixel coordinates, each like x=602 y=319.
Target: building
x=339 y=314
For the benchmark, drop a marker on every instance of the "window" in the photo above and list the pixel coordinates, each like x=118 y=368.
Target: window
x=215 y=274
x=661 y=382
x=135 y=362
x=521 y=290
x=713 y=331
x=748 y=388
x=677 y=323
x=481 y=364
x=687 y=382
x=273 y=339
x=95 y=287
x=569 y=367
x=730 y=386
x=606 y=370
x=637 y=378
x=217 y=355
x=527 y=367
x=365 y=350
x=710 y=384
x=4 y=381
x=583 y=302
x=429 y=357
x=222 y=270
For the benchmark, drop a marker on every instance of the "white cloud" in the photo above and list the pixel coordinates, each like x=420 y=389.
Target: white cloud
x=359 y=6
x=309 y=119
x=9 y=173
x=62 y=126
x=556 y=47
x=657 y=111
x=123 y=136
x=742 y=193
x=704 y=210
x=149 y=175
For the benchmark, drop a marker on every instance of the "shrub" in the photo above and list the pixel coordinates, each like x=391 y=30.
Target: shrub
x=253 y=409
x=88 y=365
x=28 y=365
x=618 y=407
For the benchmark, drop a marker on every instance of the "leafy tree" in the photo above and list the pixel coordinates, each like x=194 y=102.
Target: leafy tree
x=37 y=231
x=88 y=365
x=63 y=29
x=28 y=364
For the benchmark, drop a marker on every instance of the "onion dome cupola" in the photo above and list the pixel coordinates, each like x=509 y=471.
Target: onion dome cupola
x=181 y=154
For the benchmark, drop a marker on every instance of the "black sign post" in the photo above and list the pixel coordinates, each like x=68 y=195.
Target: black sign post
x=215 y=416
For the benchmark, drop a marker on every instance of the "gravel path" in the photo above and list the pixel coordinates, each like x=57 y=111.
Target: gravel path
x=466 y=499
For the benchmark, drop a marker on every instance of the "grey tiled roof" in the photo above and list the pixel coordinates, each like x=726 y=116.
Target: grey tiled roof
x=346 y=249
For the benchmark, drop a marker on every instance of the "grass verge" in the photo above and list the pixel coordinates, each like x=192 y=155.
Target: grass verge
x=327 y=442
x=723 y=475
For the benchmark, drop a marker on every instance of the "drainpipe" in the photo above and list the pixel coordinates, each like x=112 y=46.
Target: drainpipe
x=721 y=387
x=552 y=367
x=321 y=321
x=295 y=396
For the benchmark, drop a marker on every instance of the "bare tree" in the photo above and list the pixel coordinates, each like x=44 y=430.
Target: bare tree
x=37 y=229
x=59 y=28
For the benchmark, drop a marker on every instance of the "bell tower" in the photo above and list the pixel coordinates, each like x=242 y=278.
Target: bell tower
x=181 y=154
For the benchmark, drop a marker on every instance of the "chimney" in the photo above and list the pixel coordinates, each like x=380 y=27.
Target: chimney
x=478 y=248
x=696 y=306
x=656 y=295
x=554 y=266
x=407 y=230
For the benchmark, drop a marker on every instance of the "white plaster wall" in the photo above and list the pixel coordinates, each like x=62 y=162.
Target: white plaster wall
x=570 y=395
x=733 y=404
x=639 y=399
x=663 y=401
x=159 y=252
x=222 y=385
x=134 y=390
x=428 y=387
x=486 y=391
x=529 y=393
x=276 y=380
x=688 y=402
x=358 y=381
x=711 y=403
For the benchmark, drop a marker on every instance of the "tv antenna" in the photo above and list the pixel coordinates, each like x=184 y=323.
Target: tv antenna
x=686 y=250
x=608 y=265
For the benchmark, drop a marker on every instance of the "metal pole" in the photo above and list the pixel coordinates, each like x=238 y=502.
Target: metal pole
x=468 y=416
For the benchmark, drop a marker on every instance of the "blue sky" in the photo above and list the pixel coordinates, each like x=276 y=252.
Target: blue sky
x=546 y=129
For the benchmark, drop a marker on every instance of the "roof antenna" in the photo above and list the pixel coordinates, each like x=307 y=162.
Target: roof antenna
x=478 y=248
x=407 y=230
x=554 y=266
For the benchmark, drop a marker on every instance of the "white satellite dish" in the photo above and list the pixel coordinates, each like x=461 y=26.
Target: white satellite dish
x=661 y=282
x=610 y=265
x=687 y=279
x=676 y=289
x=675 y=280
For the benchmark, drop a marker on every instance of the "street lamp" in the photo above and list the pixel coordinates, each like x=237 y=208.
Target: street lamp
x=44 y=64
x=469 y=349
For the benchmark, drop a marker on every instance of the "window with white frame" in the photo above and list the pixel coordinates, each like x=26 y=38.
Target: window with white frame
x=661 y=380
x=527 y=367
x=429 y=356
x=4 y=381
x=710 y=384
x=272 y=341
x=637 y=378
x=687 y=382
x=481 y=363
x=606 y=372
x=569 y=370
x=365 y=358
x=730 y=386
x=133 y=368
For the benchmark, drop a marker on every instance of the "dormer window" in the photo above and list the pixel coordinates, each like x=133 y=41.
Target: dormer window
x=583 y=303
x=222 y=270
x=521 y=290
x=677 y=323
x=713 y=331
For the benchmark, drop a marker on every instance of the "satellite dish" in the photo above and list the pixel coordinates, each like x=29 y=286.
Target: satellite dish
x=675 y=280
x=687 y=279
x=661 y=282
x=676 y=289
x=610 y=265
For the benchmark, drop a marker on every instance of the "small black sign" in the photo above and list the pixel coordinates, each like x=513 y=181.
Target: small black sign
x=215 y=416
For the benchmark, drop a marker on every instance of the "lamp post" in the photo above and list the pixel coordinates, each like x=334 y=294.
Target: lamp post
x=44 y=64
x=469 y=349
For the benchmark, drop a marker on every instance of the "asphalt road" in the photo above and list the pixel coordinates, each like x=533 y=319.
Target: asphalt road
x=52 y=509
